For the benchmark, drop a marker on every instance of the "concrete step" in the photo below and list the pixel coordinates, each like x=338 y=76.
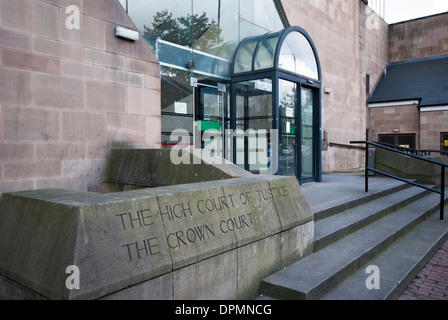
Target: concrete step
x=335 y=227
x=397 y=266
x=329 y=198
x=314 y=276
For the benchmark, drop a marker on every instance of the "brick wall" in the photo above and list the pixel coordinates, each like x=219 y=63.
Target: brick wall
x=351 y=41
x=385 y=120
x=68 y=95
x=419 y=38
x=432 y=124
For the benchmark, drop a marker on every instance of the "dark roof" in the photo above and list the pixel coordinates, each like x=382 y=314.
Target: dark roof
x=424 y=79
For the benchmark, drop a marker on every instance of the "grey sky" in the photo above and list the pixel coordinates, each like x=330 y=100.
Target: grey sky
x=401 y=10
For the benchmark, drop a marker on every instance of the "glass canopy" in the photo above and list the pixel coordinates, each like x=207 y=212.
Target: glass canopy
x=288 y=50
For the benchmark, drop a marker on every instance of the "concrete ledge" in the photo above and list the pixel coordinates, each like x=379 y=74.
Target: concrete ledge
x=410 y=168
x=130 y=244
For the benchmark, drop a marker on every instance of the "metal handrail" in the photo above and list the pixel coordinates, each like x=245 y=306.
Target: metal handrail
x=426 y=152
x=441 y=164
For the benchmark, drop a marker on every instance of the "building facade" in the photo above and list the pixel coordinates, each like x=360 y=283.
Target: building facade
x=70 y=89
x=409 y=106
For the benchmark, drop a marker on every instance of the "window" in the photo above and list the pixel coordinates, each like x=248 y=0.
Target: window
x=401 y=140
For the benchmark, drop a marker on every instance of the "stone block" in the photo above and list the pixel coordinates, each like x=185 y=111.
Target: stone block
x=250 y=216
x=214 y=239
x=19 y=59
x=85 y=238
x=211 y=279
x=30 y=124
x=15 y=185
x=58 y=49
x=160 y=288
x=97 y=150
x=12 y=290
x=297 y=243
x=151 y=68
x=82 y=126
x=58 y=92
x=153 y=131
x=290 y=200
x=141 y=253
x=106 y=10
x=409 y=168
x=138 y=101
x=152 y=82
x=127 y=78
x=82 y=70
x=66 y=3
x=69 y=183
x=82 y=167
x=14 y=39
x=154 y=168
x=32 y=169
x=93 y=183
x=193 y=223
x=41 y=18
x=105 y=97
x=15 y=87
x=105 y=59
x=135 y=79
x=127 y=128
x=91 y=34
x=14 y=152
x=256 y=261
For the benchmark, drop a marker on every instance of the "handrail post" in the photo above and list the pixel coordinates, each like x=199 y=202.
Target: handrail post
x=367 y=166
x=442 y=195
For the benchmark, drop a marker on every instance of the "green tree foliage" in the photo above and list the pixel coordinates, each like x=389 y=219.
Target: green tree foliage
x=195 y=31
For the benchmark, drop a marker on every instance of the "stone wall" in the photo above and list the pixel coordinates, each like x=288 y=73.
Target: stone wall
x=432 y=124
x=419 y=38
x=351 y=41
x=67 y=95
x=214 y=239
x=385 y=120
x=410 y=168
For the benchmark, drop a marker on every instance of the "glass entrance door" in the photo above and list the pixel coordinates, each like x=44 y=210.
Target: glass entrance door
x=297 y=131
x=212 y=118
x=287 y=158
x=253 y=127
x=307 y=134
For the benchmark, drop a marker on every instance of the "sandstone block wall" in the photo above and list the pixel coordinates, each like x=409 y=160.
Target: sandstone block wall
x=67 y=95
x=419 y=38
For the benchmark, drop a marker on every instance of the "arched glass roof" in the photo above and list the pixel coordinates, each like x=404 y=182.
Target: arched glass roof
x=290 y=50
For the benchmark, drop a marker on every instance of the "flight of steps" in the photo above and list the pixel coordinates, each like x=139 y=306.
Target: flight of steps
x=397 y=232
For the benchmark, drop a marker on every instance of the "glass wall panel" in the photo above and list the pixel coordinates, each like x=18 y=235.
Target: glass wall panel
x=177 y=106
x=244 y=57
x=205 y=30
x=265 y=55
x=297 y=56
x=253 y=125
x=213 y=116
x=307 y=107
x=288 y=128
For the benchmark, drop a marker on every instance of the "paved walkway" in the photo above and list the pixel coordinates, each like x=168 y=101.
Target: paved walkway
x=432 y=282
